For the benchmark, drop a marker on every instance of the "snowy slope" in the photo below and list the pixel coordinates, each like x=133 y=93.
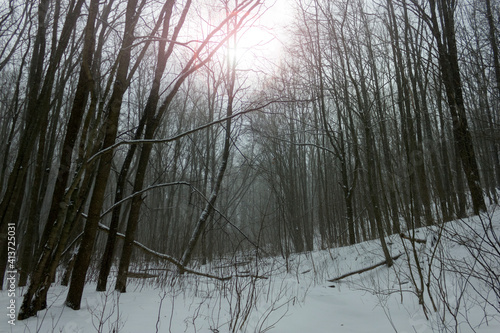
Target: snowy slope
x=297 y=297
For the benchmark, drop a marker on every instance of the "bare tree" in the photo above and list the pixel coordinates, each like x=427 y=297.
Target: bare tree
x=441 y=22
x=39 y=91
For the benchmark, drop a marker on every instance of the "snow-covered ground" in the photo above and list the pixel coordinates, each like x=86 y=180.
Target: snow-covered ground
x=297 y=297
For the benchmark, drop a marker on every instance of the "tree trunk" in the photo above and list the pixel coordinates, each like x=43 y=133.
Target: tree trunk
x=148 y=114
x=444 y=35
x=84 y=255
x=152 y=123
x=496 y=63
x=209 y=205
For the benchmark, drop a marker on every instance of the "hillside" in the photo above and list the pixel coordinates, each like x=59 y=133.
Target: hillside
x=288 y=295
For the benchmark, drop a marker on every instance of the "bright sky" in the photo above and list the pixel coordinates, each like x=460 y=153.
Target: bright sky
x=259 y=41
x=264 y=38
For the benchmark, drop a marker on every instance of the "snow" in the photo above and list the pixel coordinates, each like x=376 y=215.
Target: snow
x=297 y=296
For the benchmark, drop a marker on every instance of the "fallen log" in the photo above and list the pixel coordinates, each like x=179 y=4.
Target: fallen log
x=416 y=240
x=140 y=275
x=362 y=270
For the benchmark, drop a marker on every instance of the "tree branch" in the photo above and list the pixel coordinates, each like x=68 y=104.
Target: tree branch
x=178 y=136
x=175 y=262
x=110 y=209
x=166 y=257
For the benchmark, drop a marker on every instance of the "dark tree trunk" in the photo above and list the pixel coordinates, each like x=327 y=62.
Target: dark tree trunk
x=496 y=63
x=84 y=255
x=152 y=121
x=444 y=34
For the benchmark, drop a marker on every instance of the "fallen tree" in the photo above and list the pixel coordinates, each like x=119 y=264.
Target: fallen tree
x=362 y=270
x=412 y=239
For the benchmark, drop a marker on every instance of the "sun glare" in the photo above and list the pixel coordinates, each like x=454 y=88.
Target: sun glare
x=254 y=45
x=260 y=40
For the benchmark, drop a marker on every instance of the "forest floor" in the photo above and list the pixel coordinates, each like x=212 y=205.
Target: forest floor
x=296 y=296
